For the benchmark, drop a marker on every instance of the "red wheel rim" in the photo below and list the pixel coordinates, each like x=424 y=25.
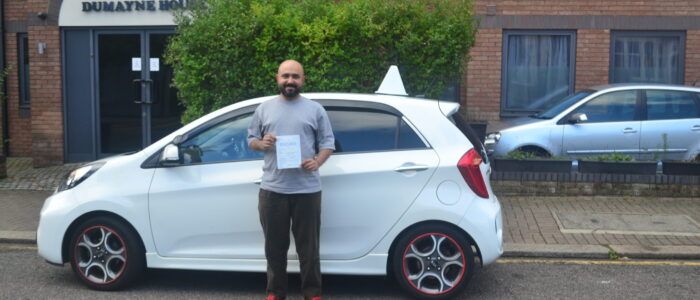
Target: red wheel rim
x=433 y=263
x=100 y=255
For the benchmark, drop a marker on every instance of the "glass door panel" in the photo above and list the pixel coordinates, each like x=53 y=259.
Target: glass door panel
x=120 y=118
x=165 y=108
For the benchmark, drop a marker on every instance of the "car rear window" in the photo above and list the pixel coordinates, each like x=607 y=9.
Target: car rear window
x=468 y=132
x=360 y=130
x=668 y=105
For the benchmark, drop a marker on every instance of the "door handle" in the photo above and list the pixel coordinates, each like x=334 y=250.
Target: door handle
x=696 y=128
x=629 y=130
x=411 y=167
x=139 y=85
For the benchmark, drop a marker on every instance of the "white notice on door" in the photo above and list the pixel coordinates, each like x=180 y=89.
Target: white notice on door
x=155 y=64
x=136 y=64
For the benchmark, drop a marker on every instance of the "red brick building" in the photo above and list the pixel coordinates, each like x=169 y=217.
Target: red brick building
x=86 y=80
x=531 y=52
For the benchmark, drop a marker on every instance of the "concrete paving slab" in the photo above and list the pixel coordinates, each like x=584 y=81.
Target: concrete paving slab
x=627 y=223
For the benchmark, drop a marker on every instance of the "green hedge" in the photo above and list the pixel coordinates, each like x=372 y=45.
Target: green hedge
x=228 y=50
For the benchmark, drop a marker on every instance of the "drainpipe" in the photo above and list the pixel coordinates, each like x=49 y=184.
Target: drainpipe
x=3 y=92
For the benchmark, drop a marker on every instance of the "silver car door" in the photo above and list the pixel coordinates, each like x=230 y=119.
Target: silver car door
x=672 y=128
x=611 y=126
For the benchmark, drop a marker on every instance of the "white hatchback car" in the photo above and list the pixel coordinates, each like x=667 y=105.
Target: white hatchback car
x=407 y=192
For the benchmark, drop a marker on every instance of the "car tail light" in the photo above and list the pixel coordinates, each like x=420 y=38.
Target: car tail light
x=469 y=165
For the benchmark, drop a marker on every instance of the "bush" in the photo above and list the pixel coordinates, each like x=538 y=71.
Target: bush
x=520 y=154
x=614 y=156
x=227 y=51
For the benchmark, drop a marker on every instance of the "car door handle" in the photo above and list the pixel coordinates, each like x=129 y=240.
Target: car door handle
x=411 y=167
x=257 y=181
x=696 y=128
x=629 y=130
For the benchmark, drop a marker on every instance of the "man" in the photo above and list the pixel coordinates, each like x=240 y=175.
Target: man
x=291 y=193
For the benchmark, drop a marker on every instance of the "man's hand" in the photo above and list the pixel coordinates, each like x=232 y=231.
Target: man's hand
x=310 y=164
x=267 y=143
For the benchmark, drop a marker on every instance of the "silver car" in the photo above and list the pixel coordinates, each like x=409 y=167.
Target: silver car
x=645 y=121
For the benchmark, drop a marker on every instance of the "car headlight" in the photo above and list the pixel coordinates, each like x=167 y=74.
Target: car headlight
x=78 y=175
x=492 y=138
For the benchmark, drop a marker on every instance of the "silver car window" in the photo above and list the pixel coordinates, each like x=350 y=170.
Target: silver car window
x=611 y=107
x=665 y=105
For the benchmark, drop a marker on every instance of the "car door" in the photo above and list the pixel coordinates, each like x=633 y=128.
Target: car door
x=207 y=207
x=672 y=126
x=612 y=126
x=379 y=167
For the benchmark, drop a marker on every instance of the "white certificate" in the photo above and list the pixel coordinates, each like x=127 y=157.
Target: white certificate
x=288 y=149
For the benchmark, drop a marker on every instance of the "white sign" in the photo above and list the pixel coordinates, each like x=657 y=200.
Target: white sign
x=136 y=64
x=155 y=64
x=288 y=149
x=118 y=13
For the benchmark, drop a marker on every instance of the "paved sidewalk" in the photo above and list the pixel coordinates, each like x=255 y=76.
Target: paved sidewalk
x=554 y=227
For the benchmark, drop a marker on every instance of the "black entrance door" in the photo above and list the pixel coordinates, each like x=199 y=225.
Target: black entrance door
x=136 y=104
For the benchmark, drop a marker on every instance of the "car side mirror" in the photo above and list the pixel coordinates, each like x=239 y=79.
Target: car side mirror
x=578 y=118
x=170 y=156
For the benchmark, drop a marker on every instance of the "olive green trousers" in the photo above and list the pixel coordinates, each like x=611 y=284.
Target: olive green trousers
x=303 y=212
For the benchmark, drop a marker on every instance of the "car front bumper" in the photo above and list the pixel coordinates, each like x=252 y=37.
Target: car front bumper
x=53 y=223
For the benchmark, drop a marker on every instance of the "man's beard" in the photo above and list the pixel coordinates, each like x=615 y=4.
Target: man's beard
x=289 y=93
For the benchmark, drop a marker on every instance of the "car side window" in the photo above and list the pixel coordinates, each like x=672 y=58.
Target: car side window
x=226 y=141
x=666 y=105
x=611 y=107
x=369 y=130
x=408 y=139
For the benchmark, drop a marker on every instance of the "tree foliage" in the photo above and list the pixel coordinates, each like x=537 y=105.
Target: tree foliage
x=229 y=50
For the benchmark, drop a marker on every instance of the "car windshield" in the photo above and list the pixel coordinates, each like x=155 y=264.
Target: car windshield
x=562 y=105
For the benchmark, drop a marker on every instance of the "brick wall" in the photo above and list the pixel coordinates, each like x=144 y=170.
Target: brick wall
x=592 y=58
x=591 y=7
x=19 y=121
x=17 y=10
x=47 y=103
x=483 y=89
x=692 y=57
x=37 y=132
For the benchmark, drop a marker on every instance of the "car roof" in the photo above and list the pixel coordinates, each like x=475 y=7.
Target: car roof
x=447 y=107
x=625 y=86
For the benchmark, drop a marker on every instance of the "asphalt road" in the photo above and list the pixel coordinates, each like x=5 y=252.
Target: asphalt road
x=24 y=275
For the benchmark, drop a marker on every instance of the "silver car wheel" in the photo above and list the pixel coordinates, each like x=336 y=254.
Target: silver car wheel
x=434 y=263
x=101 y=255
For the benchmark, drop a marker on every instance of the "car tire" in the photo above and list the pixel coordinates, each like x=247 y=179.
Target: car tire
x=433 y=262
x=106 y=254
